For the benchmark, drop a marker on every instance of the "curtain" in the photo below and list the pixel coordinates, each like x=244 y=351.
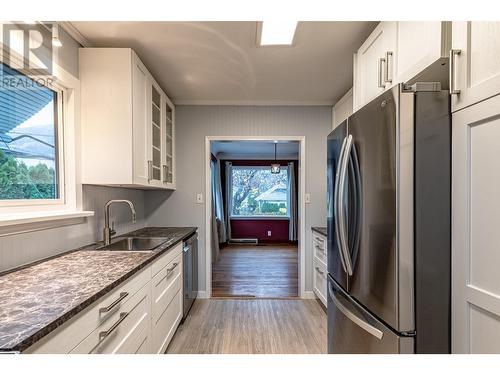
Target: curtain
x=215 y=237
x=229 y=198
x=219 y=205
x=292 y=203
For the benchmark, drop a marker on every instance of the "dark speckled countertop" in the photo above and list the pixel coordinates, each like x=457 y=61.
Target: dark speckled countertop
x=320 y=230
x=36 y=299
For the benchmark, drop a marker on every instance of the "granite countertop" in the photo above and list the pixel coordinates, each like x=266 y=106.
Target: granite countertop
x=37 y=298
x=320 y=230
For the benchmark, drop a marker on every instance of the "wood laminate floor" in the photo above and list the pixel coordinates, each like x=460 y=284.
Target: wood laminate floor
x=252 y=326
x=269 y=271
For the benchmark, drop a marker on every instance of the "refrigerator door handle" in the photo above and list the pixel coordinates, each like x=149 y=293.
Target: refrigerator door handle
x=336 y=202
x=362 y=323
x=341 y=212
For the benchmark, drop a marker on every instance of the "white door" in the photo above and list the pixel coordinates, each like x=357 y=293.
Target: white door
x=140 y=115
x=419 y=44
x=371 y=71
x=476 y=228
x=477 y=70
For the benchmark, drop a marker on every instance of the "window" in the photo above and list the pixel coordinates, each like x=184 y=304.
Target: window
x=29 y=150
x=258 y=192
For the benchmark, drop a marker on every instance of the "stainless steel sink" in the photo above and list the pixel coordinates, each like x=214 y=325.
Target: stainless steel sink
x=134 y=244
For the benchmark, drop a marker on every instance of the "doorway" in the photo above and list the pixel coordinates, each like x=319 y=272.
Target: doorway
x=254 y=225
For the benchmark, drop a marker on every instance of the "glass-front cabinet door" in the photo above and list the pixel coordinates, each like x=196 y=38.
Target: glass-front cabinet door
x=169 y=139
x=156 y=144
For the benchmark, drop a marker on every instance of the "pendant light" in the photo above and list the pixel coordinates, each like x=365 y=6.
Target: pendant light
x=275 y=167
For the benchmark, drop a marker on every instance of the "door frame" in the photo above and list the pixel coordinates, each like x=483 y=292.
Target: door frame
x=300 y=204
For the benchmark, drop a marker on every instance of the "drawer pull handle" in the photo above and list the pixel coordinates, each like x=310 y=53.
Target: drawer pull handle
x=104 y=334
x=169 y=270
x=453 y=88
x=116 y=302
x=319 y=271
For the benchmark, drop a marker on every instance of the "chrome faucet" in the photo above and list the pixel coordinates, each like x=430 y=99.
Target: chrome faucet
x=108 y=232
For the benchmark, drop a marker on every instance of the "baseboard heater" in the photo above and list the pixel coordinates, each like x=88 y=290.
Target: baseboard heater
x=248 y=241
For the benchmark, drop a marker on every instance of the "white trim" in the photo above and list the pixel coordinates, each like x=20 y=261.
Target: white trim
x=261 y=217
x=309 y=294
x=301 y=205
x=32 y=221
x=254 y=102
x=234 y=156
x=70 y=210
x=202 y=294
x=75 y=33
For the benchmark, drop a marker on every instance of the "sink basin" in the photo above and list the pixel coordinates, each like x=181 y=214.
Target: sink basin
x=134 y=244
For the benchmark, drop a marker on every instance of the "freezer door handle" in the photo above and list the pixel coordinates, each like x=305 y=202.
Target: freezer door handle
x=353 y=317
x=337 y=202
x=343 y=243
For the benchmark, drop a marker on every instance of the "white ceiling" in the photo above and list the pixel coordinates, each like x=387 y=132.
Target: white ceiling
x=255 y=149
x=220 y=63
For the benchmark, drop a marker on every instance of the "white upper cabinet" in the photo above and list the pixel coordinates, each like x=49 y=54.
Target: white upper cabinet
x=373 y=72
x=476 y=67
x=396 y=52
x=127 y=122
x=168 y=167
x=140 y=98
x=419 y=45
x=342 y=109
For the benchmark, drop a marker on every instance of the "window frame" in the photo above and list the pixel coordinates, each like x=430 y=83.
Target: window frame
x=60 y=156
x=259 y=217
x=15 y=218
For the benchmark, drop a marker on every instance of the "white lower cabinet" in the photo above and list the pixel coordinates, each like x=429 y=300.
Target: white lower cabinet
x=139 y=316
x=320 y=281
x=125 y=332
x=320 y=271
x=475 y=234
x=167 y=304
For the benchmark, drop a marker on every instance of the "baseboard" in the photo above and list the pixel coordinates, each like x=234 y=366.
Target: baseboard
x=202 y=294
x=308 y=294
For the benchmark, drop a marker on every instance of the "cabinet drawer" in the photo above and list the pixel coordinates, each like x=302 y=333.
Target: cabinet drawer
x=167 y=303
x=72 y=332
x=320 y=280
x=319 y=247
x=118 y=335
x=165 y=285
x=165 y=259
x=164 y=327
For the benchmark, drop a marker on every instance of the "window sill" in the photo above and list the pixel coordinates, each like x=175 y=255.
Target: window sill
x=259 y=218
x=22 y=222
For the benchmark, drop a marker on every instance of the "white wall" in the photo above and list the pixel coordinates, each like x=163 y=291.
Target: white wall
x=193 y=123
x=20 y=249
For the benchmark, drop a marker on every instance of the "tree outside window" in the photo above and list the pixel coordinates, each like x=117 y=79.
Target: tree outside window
x=258 y=192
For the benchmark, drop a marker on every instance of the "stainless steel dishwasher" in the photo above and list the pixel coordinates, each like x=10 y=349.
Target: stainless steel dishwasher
x=190 y=262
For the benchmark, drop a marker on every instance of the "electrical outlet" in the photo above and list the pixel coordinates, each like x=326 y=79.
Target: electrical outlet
x=199 y=198
x=268 y=233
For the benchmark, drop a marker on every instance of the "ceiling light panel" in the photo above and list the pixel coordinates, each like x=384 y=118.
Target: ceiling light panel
x=277 y=32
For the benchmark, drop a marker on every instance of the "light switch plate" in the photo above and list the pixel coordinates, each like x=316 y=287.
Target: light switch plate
x=308 y=197
x=199 y=198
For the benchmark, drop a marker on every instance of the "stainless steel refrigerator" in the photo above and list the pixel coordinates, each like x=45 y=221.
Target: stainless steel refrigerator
x=389 y=185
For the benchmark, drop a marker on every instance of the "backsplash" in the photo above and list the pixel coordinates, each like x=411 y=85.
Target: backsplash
x=19 y=249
